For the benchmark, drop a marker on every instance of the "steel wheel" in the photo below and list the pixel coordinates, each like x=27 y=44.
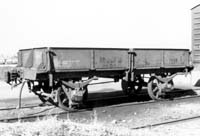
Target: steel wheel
x=47 y=90
x=42 y=98
x=157 y=89
x=154 y=88
x=63 y=101
x=137 y=84
x=85 y=95
x=45 y=99
x=126 y=88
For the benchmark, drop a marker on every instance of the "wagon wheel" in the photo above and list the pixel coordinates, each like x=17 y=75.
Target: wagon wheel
x=63 y=100
x=46 y=89
x=126 y=88
x=85 y=95
x=137 y=84
x=45 y=99
x=156 y=89
x=42 y=98
x=36 y=90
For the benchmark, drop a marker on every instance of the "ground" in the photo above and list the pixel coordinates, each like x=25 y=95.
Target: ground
x=52 y=127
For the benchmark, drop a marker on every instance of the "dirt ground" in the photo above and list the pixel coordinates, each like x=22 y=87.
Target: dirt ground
x=52 y=126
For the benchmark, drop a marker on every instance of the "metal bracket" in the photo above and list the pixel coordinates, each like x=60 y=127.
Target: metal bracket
x=79 y=84
x=167 y=79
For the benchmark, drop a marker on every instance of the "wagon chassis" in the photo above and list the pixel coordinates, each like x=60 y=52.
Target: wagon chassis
x=157 y=87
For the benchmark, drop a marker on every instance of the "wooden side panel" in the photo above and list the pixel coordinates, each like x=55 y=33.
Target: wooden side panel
x=161 y=58
x=148 y=59
x=89 y=59
x=71 y=59
x=111 y=59
x=176 y=58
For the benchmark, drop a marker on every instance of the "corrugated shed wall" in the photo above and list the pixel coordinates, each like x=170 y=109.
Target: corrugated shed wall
x=196 y=36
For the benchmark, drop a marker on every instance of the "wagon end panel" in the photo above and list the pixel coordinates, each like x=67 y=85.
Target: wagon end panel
x=111 y=59
x=66 y=59
x=25 y=58
x=32 y=61
x=32 y=58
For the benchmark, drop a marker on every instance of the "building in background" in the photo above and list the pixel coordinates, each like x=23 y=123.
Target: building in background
x=196 y=36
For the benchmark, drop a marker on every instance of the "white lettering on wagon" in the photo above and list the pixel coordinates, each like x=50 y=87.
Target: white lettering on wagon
x=69 y=63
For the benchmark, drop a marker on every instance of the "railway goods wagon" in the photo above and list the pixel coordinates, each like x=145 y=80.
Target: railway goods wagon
x=61 y=75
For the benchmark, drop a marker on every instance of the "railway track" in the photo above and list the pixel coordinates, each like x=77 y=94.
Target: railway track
x=167 y=122
x=90 y=108
x=23 y=107
x=108 y=98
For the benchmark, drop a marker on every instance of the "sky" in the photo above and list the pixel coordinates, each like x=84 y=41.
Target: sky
x=95 y=23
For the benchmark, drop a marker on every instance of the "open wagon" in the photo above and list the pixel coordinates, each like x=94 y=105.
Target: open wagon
x=61 y=75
